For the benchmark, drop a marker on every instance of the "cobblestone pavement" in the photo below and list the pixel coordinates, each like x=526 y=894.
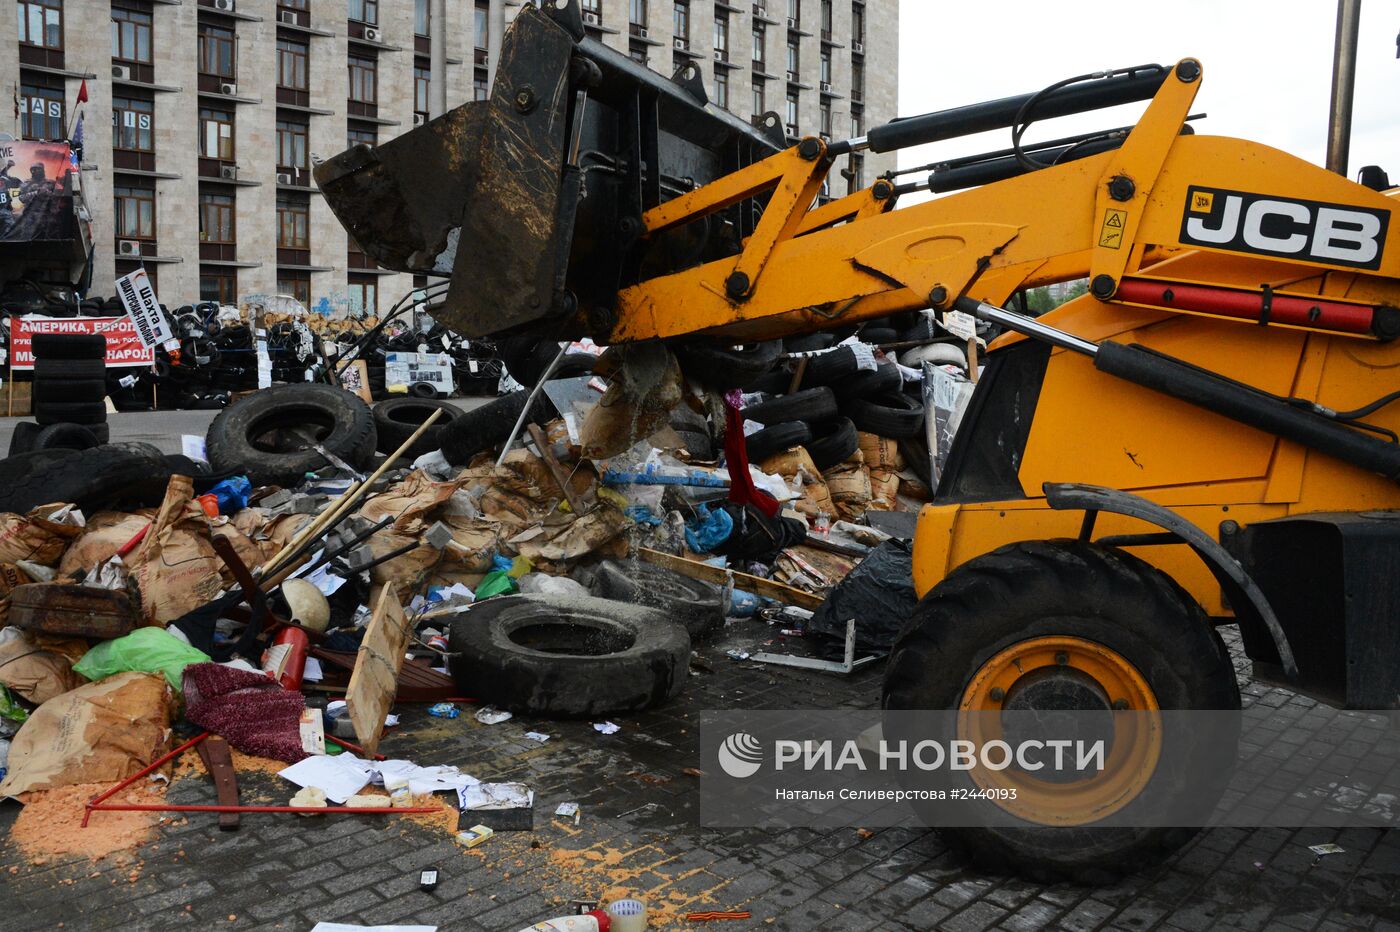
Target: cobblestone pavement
x=638 y=834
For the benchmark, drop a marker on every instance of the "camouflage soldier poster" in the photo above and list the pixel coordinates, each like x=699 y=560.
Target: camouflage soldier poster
x=36 y=191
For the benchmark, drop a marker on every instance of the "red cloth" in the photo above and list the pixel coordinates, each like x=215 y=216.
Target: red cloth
x=252 y=712
x=82 y=92
x=742 y=491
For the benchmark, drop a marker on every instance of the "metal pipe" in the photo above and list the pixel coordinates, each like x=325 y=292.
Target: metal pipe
x=1027 y=325
x=530 y=401
x=437 y=60
x=1343 y=85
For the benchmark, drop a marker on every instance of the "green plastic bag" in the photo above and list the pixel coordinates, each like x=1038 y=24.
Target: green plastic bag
x=145 y=650
x=496 y=582
x=11 y=709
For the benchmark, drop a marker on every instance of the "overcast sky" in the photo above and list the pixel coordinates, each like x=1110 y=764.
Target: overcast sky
x=1268 y=66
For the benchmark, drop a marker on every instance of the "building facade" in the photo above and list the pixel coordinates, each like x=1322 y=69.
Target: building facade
x=204 y=117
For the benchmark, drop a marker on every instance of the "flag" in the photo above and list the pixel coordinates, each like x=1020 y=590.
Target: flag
x=78 y=135
x=82 y=92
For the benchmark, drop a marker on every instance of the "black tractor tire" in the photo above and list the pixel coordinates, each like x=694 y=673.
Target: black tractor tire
x=55 y=346
x=22 y=439
x=181 y=465
x=775 y=382
x=809 y=405
x=423 y=391
x=484 y=428
x=48 y=391
x=526 y=359
x=889 y=414
x=877 y=335
x=70 y=412
x=568 y=657
x=883 y=378
x=723 y=366
x=64 y=437
x=830 y=368
x=254 y=436
x=809 y=342
x=69 y=369
x=103 y=478
x=1070 y=588
x=697 y=605
x=835 y=442
x=776 y=438
x=395 y=420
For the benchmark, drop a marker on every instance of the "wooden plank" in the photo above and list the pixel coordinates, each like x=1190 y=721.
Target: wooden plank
x=217 y=760
x=560 y=477
x=714 y=574
x=375 y=679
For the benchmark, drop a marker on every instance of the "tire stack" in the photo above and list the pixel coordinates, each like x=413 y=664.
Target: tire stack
x=70 y=389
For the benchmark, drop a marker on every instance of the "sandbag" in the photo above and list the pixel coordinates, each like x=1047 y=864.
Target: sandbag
x=878 y=594
x=34 y=538
x=106 y=533
x=175 y=566
x=99 y=733
x=33 y=669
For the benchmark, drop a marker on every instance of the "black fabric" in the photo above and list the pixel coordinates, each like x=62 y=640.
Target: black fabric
x=878 y=594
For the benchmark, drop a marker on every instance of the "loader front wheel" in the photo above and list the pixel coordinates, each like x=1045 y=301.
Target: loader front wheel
x=1053 y=625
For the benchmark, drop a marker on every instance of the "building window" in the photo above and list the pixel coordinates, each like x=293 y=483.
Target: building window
x=216 y=134
x=291 y=145
x=759 y=106
x=857 y=173
x=826 y=19
x=857 y=80
x=41 y=112
x=681 y=20
x=825 y=117
x=857 y=124
x=857 y=22
x=722 y=35
x=291 y=64
x=216 y=51
x=637 y=12
x=481 y=87
x=421 y=18
x=594 y=7
x=826 y=66
x=360 y=135
x=722 y=88
x=131 y=35
x=792 y=113
x=41 y=23
x=365 y=11
x=637 y=52
x=795 y=12
x=135 y=212
x=296 y=284
x=216 y=222
x=481 y=26
x=219 y=285
x=422 y=79
x=132 y=123
x=363 y=292
x=363 y=80
x=792 y=56
x=293 y=223
x=760 y=34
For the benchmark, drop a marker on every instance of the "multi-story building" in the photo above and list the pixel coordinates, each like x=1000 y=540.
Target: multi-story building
x=204 y=117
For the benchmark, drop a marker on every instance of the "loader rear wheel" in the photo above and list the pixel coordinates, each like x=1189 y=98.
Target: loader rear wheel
x=1064 y=624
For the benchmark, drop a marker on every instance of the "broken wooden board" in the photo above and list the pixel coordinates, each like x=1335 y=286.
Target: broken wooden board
x=714 y=574
x=219 y=763
x=375 y=680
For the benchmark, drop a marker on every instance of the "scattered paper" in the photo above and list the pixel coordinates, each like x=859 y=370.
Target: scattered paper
x=606 y=728
x=537 y=736
x=1324 y=850
x=192 y=445
x=567 y=810
x=324 y=580
x=490 y=715
x=422 y=780
x=495 y=796
x=340 y=777
x=312 y=672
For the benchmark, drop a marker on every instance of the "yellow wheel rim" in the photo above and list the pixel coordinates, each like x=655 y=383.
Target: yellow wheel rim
x=1131 y=757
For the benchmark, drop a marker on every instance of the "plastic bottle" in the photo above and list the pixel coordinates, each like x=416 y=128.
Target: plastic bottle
x=594 y=921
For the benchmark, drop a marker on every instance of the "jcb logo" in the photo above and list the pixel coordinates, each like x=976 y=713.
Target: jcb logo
x=1334 y=234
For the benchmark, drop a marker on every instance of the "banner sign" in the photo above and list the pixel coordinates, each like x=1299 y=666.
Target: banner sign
x=36 y=191
x=139 y=299
x=124 y=347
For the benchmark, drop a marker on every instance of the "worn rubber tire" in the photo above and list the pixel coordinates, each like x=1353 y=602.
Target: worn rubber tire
x=776 y=438
x=526 y=358
x=70 y=412
x=830 y=368
x=64 y=437
x=100 y=479
x=22 y=440
x=339 y=419
x=1041 y=588
x=182 y=465
x=809 y=342
x=488 y=426
x=885 y=377
x=889 y=414
x=721 y=366
x=423 y=391
x=834 y=443
x=914 y=450
x=878 y=335
x=395 y=420
x=69 y=369
x=698 y=445
x=54 y=346
x=775 y=382
x=697 y=605
x=649 y=665
x=48 y=391
x=809 y=405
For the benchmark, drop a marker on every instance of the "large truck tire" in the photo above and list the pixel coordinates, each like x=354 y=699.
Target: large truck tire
x=258 y=435
x=697 y=605
x=486 y=427
x=568 y=656
x=395 y=420
x=1090 y=608
x=103 y=478
x=725 y=366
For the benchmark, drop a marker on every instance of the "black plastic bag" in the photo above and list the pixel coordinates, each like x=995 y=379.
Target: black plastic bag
x=878 y=594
